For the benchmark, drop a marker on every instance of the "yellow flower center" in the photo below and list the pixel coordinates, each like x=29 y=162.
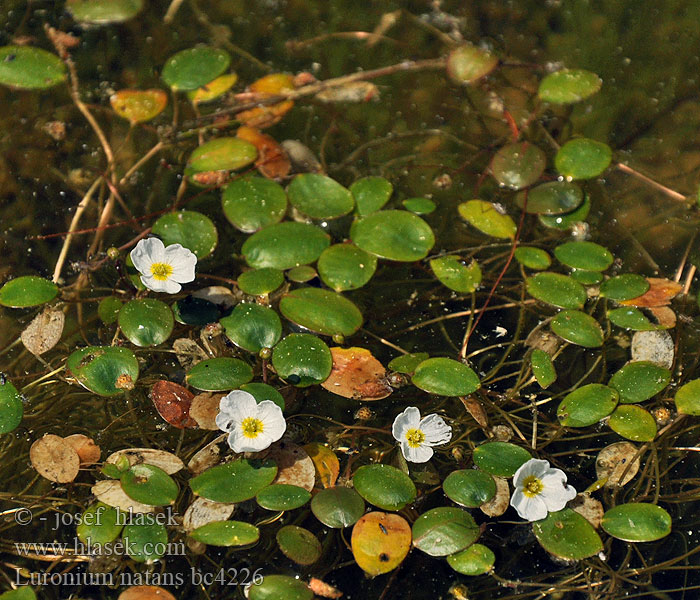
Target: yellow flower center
x=415 y=437
x=252 y=427
x=161 y=271
x=532 y=486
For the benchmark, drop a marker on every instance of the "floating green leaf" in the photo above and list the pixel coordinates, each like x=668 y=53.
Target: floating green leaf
x=688 y=398
x=321 y=311
x=501 y=459
x=192 y=68
x=444 y=530
x=302 y=359
x=568 y=86
x=584 y=255
x=104 y=370
x=637 y=522
x=568 y=535
x=23 y=592
x=587 y=405
x=371 y=194
x=252 y=327
x=407 y=363
x=219 y=374
x=103 y=12
x=236 y=481
x=633 y=423
x=445 y=377
x=578 y=328
x=276 y=587
x=319 y=196
x=394 y=234
x=556 y=289
x=285 y=245
x=487 y=219
x=640 y=380
x=345 y=267
x=251 y=203
x=582 y=158
x=108 y=309
x=146 y=321
x=190 y=229
x=632 y=318
x=454 y=274
x=420 y=206
x=149 y=485
x=145 y=539
x=258 y=282
x=301 y=274
x=552 y=198
x=477 y=559
x=624 y=287
x=282 y=496
x=221 y=154
x=469 y=487
x=11 y=407
x=586 y=277
x=26 y=291
x=29 y=68
x=338 y=506
x=299 y=544
x=99 y=525
x=518 y=165
x=226 y=533
x=384 y=486
x=542 y=368
x=533 y=258
x=467 y=63
x=567 y=220
x=263 y=391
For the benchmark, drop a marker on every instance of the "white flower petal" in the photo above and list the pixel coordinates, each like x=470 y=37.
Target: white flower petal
x=168 y=286
x=408 y=419
x=224 y=421
x=183 y=262
x=274 y=424
x=145 y=253
x=535 y=467
x=531 y=509
x=416 y=455
x=255 y=444
x=238 y=404
x=435 y=429
x=555 y=492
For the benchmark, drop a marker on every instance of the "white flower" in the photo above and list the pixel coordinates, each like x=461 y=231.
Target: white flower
x=539 y=489
x=163 y=269
x=251 y=426
x=418 y=435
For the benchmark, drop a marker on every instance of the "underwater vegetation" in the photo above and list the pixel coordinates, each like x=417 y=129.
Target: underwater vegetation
x=281 y=335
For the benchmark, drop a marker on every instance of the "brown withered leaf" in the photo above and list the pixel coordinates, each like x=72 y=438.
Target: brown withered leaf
x=172 y=401
x=149 y=456
x=88 y=451
x=44 y=332
x=354 y=91
x=500 y=502
x=203 y=511
x=262 y=117
x=660 y=293
x=664 y=316
x=323 y=589
x=54 y=459
x=357 y=374
x=272 y=161
x=188 y=352
x=294 y=466
x=204 y=408
x=145 y=592
x=476 y=410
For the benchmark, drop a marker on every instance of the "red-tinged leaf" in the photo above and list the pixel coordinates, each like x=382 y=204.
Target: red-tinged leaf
x=172 y=401
x=139 y=106
x=273 y=161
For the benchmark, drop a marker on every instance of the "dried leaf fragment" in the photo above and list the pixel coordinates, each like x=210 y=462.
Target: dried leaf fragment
x=203 y=511
x=614 y=460
x=88 y=451
x=54 y=459
x=323 y=589
x=150 y=456
x=660 y=293
x=111 y=493
x=146 y=592
x=44 y=332
x=294 y=465
x=357 y=374
x=172 y=401
x=204 y=408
